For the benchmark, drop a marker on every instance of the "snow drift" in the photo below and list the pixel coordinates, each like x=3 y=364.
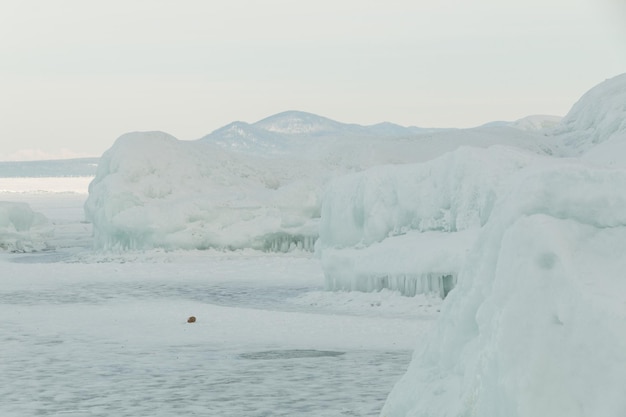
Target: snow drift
x=22 y=229
x=536 y=325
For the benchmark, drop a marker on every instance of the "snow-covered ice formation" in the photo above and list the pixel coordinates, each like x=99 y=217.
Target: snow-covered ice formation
x=372 y=231
x=408 y=227
x=251 y=186
x=536 y=325
x=152 y=190
x=21 y=228
x=599 y=116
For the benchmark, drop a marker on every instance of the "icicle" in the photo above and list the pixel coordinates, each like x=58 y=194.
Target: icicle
x=407 y=284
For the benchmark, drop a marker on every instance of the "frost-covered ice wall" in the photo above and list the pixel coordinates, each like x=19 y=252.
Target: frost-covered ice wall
x=152 y=190
x=399 y=227
x=408 y=227
x=537 y=324
x=22 y=229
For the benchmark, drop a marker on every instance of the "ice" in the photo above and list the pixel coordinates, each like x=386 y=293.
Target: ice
x=152 y=190
x=21 y=228
x=106 y=334
x=248 y=186
x=408 y=228
x=537 y=314
x=536 y=323
x=597 y=117
x=98 y=333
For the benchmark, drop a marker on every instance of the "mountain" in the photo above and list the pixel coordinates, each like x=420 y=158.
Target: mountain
x=244 y=137
x=305 y=124
x=278 y=133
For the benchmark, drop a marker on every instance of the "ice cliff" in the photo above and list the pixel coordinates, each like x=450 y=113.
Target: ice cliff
x=536 y=325
x=409 y=227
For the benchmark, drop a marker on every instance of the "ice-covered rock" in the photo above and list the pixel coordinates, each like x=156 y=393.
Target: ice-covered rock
x=536 y=325
x=21 y=228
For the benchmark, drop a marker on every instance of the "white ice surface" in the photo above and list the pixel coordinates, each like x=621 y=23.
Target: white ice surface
x=87 y=333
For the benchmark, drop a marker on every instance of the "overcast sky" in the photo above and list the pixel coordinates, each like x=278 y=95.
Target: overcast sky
x=76 y=74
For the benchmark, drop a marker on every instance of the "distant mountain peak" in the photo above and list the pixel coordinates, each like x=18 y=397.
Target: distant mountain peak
x=293 y=122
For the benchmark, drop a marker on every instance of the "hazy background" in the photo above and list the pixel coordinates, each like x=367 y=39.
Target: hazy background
x=76 y=74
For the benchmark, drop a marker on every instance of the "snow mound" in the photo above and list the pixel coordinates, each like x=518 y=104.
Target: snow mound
x=536 y=325
x=408 y=227
x=22 y=229
x=152 y=190
x=599 y=115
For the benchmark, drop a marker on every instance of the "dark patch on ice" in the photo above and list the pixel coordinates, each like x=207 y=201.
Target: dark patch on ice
x=290 y=354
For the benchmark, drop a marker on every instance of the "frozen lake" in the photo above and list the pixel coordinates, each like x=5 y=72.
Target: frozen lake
x=106 y=334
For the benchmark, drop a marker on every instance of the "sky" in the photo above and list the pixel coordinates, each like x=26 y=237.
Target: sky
x=77 y=74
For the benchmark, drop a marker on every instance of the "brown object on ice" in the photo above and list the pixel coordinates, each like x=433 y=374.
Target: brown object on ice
x=191 y=319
